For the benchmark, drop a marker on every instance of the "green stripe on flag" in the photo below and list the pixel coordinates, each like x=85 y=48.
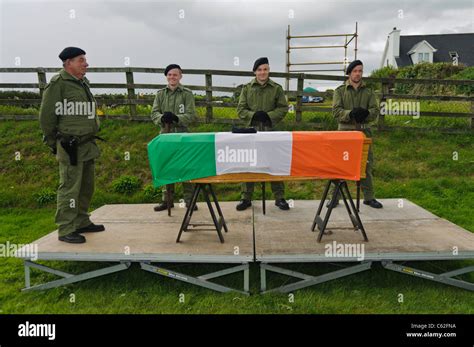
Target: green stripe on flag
x=181 y=157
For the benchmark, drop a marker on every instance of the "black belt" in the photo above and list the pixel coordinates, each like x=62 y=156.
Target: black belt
x=80 y=140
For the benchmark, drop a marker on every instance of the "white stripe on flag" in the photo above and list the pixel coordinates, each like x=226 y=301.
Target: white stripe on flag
x=263 y=152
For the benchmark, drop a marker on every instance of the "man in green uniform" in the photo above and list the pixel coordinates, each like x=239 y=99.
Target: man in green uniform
x=69 y=124
x=262 y=102
x=174 y=109
x=355 y=106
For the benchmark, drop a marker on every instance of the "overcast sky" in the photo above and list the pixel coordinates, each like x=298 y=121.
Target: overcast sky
x=210 y=34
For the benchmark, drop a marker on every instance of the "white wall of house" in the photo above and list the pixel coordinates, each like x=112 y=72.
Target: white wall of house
x=392 y=49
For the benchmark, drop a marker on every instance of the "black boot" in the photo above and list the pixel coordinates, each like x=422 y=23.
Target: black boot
x=335 y=204
x=243 y=205
x=373 y=203
x=162 y=207
x=73 y=237
x=282 y=204
x=91 y=228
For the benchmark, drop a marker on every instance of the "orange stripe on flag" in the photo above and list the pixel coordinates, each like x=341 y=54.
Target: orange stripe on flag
x=327 y=154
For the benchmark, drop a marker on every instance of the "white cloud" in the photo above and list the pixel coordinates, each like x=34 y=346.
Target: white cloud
x=212 y=33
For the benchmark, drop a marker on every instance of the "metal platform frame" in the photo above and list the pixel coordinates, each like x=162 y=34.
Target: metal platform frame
x=388 y=261
x=67 y=277
x=236 y=264
x=154 y=263
x=203 y=280
x=306 y=280
x=445 y=277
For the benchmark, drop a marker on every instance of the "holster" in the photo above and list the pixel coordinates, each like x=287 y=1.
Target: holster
x=70 y=145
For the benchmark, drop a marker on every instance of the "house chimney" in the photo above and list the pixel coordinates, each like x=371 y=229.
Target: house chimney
x=394 y=41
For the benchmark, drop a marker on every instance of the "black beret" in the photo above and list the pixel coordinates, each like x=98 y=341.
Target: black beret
x=70 y=52
x=352 y=65
x=258 y=62
x=171 y=67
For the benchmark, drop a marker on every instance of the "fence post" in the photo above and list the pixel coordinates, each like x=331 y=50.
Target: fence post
x=131 y=93
x=299 y=98
x=385 y=92
x=209 y=114
x=41 y=80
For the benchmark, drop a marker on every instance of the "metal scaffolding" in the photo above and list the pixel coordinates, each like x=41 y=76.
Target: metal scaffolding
x=348 y=38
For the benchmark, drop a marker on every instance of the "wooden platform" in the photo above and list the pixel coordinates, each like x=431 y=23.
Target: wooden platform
x=395 y=233
x=137 y=233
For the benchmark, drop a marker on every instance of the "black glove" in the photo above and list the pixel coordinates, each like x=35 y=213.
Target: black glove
x=360 y=114
x=261 y=117
x=352 y=114
x=169 y=118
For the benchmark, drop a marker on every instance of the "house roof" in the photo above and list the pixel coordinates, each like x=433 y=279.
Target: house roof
x=443 y=43
x=415 y=47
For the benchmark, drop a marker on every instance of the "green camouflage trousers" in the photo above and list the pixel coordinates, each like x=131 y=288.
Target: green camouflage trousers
x=278 y=189
x=188 y=192
x=76 y=187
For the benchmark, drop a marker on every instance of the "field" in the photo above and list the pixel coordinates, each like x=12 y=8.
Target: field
x=432 y=169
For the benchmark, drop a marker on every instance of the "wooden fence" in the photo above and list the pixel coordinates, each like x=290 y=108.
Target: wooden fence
x=385 y=93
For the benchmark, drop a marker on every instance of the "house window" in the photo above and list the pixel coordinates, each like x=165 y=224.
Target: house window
x=423 y=57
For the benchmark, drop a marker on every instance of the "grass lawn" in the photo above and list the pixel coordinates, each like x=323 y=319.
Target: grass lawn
x=419 y=166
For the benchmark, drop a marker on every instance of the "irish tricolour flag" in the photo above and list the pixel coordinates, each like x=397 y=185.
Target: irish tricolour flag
x=180 y=157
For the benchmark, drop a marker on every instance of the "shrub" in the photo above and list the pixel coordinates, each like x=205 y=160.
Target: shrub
x=150 y=193
x=45 y=196
x=126 y=185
